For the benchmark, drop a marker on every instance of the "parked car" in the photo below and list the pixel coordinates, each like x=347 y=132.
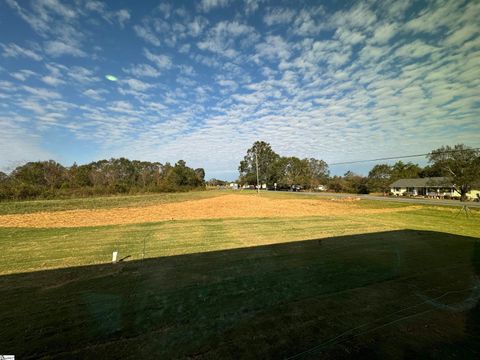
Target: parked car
x=279 y=187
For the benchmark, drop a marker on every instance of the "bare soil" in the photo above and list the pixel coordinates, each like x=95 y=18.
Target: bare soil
x=228 y=206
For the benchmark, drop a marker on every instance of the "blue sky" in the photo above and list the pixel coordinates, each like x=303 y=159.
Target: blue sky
x=201 y=81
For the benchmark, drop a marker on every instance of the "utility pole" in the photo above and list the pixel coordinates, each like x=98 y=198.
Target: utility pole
x=256 y=161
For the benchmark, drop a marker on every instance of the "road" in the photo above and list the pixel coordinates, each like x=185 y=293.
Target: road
x=470 y=204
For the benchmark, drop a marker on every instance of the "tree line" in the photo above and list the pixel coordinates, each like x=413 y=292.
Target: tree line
x=459 y=165
x=280 y=170
x=285 y=171
x=49 y=179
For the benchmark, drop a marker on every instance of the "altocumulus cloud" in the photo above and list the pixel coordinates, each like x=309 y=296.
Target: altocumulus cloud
x=202 y=82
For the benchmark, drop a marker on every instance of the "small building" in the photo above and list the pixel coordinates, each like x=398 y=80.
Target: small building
x=233 y=186
x=431 y=187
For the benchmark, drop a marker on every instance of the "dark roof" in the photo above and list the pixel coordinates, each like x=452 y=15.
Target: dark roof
x=423 y=182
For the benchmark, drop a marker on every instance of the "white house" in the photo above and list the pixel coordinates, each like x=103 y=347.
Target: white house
x=434 y=187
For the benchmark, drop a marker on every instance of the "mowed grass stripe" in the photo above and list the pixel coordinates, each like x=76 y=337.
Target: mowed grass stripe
x=30 y=249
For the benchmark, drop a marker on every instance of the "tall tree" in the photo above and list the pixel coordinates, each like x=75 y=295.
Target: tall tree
x=400 y=170
x=266 y=160
x=460 y=164
x=293 y=171
x=379 y=178
x=318 y=171
x=200 y=173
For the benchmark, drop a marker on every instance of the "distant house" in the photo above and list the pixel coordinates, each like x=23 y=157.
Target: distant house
x=233 y=186
x=433 y=187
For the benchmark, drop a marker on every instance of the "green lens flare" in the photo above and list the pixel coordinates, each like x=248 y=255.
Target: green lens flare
x=111 y=78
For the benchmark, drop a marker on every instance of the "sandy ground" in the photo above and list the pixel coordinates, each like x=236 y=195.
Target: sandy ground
x=228 y=206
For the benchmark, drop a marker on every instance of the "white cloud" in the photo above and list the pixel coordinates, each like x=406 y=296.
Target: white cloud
x=384 y=33
x=95 y=94
x=349 y=37
x=230 y=84
x=252 y=5
x=23 y=75
x=142 y=70
x=415 y=49
x=444 y=14
x=222 y=38
x=360 y=16
x=274 y=47
x=207 y=5
x=42 y=93
x=52 y=80
x=137 y=85
x=122 y=16
x=197 y=25
x=185 y=48
x=160 y=60
x=463 y=34
x=309 y=22
x=18 y=145
x=58 y=48
x=13 y=50
x=277 y=16
x=395 y=8
x=144 y=32
x=56 y=22
x=55 y=7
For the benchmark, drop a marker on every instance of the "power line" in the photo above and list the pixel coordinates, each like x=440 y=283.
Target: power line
x=394 y=157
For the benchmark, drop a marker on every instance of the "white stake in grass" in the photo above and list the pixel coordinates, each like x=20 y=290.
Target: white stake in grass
x=114 y=257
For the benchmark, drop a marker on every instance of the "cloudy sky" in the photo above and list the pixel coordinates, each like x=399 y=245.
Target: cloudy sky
x=202 y=80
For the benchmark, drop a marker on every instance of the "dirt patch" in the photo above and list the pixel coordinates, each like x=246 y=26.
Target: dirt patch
x=346 y=199
x=229 y=206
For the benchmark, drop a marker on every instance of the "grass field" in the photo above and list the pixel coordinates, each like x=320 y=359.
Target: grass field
x=312 y=278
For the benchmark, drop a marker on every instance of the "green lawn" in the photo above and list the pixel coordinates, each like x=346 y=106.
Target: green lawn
x=392 y=285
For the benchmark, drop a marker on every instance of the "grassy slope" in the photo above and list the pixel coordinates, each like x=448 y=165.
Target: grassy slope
x=275 y=300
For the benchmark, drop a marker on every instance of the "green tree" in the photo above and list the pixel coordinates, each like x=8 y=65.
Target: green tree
x=293 y=171
x=379 y=178
x=460 y=164
x=337 y=184
x=266 y=161
x=319 y=172
x=217 y=182
x=355 y=183
x=400 y=170
x=181 y=175
x=5 y=188
x=200 y=174
x=36 y=178
x=431 y=171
